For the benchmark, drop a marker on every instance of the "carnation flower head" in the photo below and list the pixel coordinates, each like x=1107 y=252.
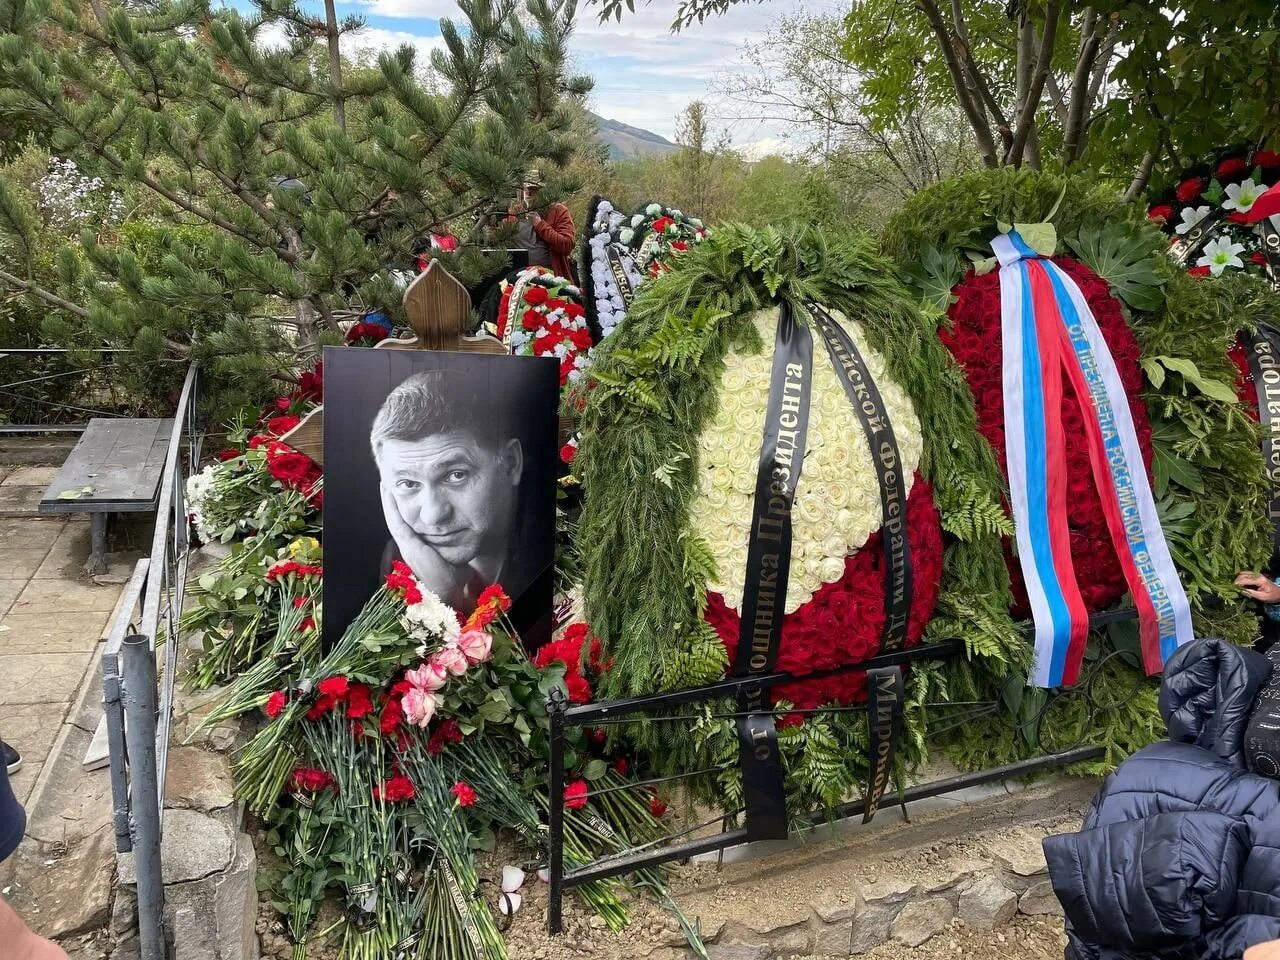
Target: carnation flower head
x=575 y=795
x=465 y=793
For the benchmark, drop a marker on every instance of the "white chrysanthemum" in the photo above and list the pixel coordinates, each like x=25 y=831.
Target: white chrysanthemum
x=200 y=487
x=838 y=498
x=431 y=618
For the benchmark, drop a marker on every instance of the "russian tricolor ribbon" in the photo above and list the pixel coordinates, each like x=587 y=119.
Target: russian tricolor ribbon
x=1051 y=341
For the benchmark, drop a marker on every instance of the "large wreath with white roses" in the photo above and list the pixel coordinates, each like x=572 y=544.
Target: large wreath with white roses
x=668 y=500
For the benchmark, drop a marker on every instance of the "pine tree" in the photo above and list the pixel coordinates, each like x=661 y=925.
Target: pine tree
x=291 y=183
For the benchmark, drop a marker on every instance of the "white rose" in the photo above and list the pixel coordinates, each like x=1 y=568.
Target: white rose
x=831 y=569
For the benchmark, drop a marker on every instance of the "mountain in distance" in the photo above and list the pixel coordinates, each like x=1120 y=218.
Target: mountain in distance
x=624 y=140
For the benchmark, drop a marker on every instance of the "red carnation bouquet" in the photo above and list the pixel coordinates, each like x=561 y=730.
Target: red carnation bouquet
x=541 y=315
x=974 y=338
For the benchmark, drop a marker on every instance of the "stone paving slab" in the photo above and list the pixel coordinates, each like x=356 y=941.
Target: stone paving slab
x=32 y=733
x=31 y=476
x=20 y=500
x=23 y=534
x=76 y=631
x=21 y=563
x=9 y=590
x=64 y=559
x=42 y=680
x=62 y=596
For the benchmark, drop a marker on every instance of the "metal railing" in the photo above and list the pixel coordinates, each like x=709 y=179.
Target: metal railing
x=44 y=389
x=139 y=674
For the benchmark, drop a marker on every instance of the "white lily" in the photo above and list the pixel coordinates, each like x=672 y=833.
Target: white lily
x=1220 y=253
x=1190 y=217
x=1242 y=196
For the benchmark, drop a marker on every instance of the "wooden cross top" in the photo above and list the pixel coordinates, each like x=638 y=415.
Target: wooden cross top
x=438 y=309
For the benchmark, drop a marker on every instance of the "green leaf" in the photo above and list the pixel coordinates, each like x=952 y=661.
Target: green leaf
x=935 y=275
x=1154 y=371
x=596 y=769
x=69 y=495
x=1191 y=373
x=1040 y=237
x=1127 y=259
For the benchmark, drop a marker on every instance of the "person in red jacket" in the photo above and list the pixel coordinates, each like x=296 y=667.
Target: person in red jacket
x=546 y=232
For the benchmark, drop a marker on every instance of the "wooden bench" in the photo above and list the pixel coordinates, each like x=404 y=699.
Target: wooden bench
x=115 y=467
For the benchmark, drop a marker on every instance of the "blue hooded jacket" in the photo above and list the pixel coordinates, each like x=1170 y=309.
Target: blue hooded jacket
x=1179 y=854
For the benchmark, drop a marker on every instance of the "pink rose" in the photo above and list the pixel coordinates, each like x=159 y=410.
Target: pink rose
x=429 y=677
x=419 y=707
x=475 y=645
x=450 y=658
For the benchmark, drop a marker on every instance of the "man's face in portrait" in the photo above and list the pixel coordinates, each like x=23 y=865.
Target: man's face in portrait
x=457 y=494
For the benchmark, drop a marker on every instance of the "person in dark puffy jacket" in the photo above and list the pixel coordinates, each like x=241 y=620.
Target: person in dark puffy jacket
x=1179 y=854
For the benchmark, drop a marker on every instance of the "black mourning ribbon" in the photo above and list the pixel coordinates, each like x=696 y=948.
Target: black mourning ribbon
x=884 y=684
x=1270 y=235
x=764 y=593
x=1264 y=364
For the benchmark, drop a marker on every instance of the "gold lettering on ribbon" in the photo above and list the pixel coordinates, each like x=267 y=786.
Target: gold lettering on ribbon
x=894 y=533
x=886 y=694
x=1267 y=365
x=776 y=517
x=620 y=278
x=464 y=909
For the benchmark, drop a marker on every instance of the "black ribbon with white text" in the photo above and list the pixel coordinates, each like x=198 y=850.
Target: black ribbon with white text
x=884 y=685
x=1264 y=364
x=764 y=594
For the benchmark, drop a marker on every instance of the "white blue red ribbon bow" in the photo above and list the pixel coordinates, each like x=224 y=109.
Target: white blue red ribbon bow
x=1050 y=337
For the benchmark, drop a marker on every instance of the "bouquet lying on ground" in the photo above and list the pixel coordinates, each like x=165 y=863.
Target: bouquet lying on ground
x=386 y=761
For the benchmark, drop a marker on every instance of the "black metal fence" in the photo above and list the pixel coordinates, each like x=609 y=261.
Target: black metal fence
x=1046 y=752
x=139 y=675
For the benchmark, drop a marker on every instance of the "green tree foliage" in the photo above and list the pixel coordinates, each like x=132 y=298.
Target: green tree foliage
x=304 y=179
x=1119 y=85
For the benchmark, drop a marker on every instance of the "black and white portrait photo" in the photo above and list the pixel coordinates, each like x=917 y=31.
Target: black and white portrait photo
x=446 y=461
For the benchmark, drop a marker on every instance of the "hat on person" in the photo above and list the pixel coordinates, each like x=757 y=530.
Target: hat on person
x=533 y=178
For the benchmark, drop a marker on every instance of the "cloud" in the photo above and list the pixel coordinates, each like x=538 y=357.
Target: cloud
x=372 y=40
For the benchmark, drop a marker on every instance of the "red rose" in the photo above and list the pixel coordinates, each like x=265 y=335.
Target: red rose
x=284 y=404
x=535 y=295
x=1162 y=213
x=1190 y=189
x=656 y=807
x=568 y=452
x=259 y=440
x=1231 y=167
x=1199 y=271
x=279 y=426
x=1258 y=258
x=1266 y=158
x=660 y=225
x=334 y=687
x=293 y=469
x=575 y=795
x=360 y=702
x=311 y=384
x=680 y=246
x=229 y=453
x=275 y=703
x=622 y=765
x=465 y=793
x=531 y=319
